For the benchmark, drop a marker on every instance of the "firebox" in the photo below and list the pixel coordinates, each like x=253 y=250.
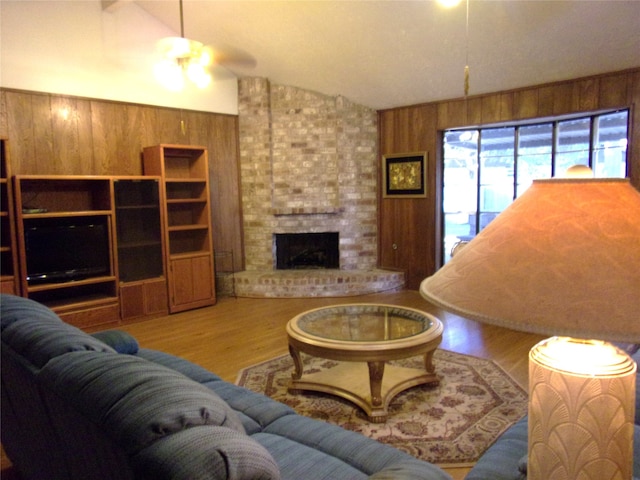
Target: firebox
x=307 y=250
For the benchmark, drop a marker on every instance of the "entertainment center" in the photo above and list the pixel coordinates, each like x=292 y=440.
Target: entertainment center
x=102 y=249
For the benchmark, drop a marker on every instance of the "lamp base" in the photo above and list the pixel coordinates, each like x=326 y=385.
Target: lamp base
x=581 y=411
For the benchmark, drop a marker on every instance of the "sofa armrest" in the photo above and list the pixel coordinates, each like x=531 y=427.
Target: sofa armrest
x=36 y=333
x=120 y=341
x=134 y=401
x=206 y=453
x=502 y=460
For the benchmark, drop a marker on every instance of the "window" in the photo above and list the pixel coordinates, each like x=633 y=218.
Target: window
x=485 y=169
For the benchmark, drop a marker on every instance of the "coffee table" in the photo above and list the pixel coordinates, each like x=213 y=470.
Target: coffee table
x=363 y=337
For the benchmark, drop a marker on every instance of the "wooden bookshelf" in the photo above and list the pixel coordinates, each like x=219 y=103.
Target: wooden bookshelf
x=184 y=179
x=8 y=248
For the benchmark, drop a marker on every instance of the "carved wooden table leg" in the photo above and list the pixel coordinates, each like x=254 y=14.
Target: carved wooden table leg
x=428 y=361
x=297 y=362
x=376 y=370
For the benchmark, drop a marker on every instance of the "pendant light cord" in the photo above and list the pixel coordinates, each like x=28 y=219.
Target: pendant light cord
x=466 y=66
x=182 y=19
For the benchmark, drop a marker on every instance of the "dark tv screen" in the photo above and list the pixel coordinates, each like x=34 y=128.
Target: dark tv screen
x=67 y=250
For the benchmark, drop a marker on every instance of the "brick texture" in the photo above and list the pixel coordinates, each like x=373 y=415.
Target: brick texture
x=308 y=164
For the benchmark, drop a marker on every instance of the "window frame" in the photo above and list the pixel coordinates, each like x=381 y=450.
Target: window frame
x=555 y=122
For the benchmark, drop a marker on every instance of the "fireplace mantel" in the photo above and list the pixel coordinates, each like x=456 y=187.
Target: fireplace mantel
x=281 y=212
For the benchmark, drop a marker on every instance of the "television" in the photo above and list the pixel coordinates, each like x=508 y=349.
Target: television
x=63 y=250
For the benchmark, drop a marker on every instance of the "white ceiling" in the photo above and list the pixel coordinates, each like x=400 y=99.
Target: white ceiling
x=385 y=54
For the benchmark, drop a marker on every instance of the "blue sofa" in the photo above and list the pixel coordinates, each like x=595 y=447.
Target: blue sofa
x=506 y=459
x=79 y=406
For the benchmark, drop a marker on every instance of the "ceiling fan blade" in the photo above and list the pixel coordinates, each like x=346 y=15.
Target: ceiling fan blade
x=231 y=57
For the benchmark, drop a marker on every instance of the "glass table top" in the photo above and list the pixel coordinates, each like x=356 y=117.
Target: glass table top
x=364 y=323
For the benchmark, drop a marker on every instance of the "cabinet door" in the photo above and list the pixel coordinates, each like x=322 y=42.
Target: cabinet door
x=191 y=282
x=155 y=297
x=8 y=286
x=138 y=228
x=202 y=271
x=131 y=304
x=143 y=298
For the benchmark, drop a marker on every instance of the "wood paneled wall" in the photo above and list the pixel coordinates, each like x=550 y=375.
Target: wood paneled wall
x=410 y=230
x=62 y=135
x=54 y=134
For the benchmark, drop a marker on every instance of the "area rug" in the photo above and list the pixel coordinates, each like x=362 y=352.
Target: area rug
x=452 y=423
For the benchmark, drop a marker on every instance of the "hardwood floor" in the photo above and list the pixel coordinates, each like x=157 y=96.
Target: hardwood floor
x=239 y=332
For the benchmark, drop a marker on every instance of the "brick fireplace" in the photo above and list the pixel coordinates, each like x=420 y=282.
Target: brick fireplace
x=308 y=164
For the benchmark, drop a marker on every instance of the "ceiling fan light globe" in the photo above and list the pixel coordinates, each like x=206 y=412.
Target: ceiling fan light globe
x=206 y=56
x=204 y=81
x=180 y=47
x=169 y=74
x=173 y=47
x=198 y=74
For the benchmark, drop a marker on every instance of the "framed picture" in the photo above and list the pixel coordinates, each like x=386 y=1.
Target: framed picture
x=404 y=175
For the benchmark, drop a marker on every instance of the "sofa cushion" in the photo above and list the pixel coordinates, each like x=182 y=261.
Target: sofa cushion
x=257 y=410
x=135 y=401
x=347 y=450
x=185 y=367
x=16 y=308
x=206 y=453
x=351 y=457
x=120 y=341
x=298 y=461
x=37 y=333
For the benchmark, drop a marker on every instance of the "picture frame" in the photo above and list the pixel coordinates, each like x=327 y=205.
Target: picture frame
x=404 y=175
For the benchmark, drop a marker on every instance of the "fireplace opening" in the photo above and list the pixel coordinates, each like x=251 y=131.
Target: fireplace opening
x=307 y=250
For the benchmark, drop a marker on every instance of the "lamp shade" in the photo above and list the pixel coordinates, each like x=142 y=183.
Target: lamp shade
x=562 y=259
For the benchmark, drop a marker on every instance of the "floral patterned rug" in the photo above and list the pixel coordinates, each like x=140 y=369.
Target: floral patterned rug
x=452 y=423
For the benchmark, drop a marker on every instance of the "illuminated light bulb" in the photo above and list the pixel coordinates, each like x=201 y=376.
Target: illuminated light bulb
x=169 y=74
x=183 y=57
x=175 y=47
x=206 y=57
x=582 y=357
x=198 y=75
x=449 y=3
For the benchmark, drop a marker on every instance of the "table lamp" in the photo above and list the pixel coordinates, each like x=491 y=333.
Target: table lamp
x=563 y=259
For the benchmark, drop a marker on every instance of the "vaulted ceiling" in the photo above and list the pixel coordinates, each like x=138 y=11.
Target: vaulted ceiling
x=386 y=54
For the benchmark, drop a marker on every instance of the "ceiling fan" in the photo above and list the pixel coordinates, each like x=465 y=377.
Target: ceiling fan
x=183 y=58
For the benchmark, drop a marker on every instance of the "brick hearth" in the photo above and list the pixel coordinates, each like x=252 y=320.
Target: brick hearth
x=314 y=283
